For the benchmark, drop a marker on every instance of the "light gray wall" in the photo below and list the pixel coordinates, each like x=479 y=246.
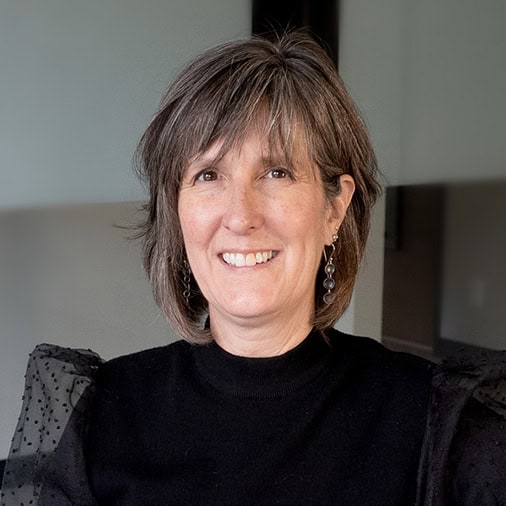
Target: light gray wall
x=430 y=78
x=474 y=270
x=80 y=80
x=370 y=56
x=371 y=42
x=453 y=101
x=69 y=276
x=364 y=314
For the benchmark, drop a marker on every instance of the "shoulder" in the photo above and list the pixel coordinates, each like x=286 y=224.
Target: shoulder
x=150 y=358
x=373 y=357
x=128 y=389
x=477 y=458
x=46 y=448
x=398 y=383
x=134 y=370
x=464 y=456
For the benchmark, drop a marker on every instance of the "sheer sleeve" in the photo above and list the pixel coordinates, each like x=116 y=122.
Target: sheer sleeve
x=46 y=464
x=464 y=453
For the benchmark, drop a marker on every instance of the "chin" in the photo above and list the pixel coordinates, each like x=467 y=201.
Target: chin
x=247 y=307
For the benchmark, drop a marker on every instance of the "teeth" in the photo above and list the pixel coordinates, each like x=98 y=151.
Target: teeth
x=240 y=260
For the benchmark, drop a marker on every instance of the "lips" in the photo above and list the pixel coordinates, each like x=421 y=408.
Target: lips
x=248 y=259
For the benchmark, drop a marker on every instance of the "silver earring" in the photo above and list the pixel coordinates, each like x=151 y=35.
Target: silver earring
x=329 y=282
x=186 y=280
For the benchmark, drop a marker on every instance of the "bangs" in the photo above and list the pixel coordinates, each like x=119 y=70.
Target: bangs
x=229 y=109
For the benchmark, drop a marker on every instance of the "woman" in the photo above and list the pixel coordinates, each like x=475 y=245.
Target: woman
x=261 y=179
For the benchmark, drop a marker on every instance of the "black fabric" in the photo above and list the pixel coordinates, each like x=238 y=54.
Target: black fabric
x=338 y=423
x=172 y=424
x=46 y=463
x=464 y=453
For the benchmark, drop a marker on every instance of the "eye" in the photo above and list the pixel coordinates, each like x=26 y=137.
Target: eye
x=207 y=175
x=278 y=173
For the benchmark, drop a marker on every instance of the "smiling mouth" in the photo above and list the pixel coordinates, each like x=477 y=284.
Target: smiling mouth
x=248 y=260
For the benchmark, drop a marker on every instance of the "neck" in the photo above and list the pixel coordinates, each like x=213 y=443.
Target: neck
x=268 y=338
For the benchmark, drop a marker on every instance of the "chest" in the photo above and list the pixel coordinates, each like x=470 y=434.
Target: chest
x=320 y=446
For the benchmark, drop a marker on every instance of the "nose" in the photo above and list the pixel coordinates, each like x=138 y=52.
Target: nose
x=243 y=211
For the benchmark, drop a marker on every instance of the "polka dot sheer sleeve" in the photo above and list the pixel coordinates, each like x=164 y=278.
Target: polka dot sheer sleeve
x=46 y=463
x=464 y=454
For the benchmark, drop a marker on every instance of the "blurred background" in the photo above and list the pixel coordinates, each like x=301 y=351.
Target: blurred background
x=79 y=81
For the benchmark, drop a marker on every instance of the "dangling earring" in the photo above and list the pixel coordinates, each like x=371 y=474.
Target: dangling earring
x=186 y=280
x=329 y=282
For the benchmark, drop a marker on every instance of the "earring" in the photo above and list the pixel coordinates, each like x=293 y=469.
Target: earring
x=186 y=280
x=329 y=282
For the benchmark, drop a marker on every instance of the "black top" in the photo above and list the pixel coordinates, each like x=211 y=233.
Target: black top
x=317 y=425
x=337 y=422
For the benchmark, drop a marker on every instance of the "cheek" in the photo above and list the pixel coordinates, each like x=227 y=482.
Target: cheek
x=312 y=217
x=189 y=233
x=189 y=216
x=198 y=225
x=192 y=233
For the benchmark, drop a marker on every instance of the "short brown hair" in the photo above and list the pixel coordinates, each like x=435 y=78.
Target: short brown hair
x=218 y=96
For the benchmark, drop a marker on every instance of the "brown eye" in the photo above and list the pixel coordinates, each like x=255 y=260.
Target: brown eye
x=277 y=173
x=207 y=175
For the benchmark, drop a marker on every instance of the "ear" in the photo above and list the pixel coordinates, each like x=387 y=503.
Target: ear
x=339 y=205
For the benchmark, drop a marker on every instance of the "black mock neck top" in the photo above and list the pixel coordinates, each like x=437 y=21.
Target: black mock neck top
x=331 y=422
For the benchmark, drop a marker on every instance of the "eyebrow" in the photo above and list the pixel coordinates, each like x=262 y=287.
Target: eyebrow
x=273 y=158
x=203 y=157
x=212 y=157
x=200 y=161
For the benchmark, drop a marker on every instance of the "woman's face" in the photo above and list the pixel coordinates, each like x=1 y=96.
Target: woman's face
x=254 y=231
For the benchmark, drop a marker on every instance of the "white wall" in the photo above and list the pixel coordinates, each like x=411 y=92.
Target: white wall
x=430 y=78
x=371 y=42
x=80 y=80
x=454 y=103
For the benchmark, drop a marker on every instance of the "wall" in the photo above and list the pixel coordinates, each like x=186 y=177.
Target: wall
x=371 y=42
x=80 y=80
x=429 y=79
x=446 y=279
x=364 y=314
x=69 y=276
x=453 y=106
x=411 y=283
x=474 y=273
x=368 y=299
x=370 y=46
